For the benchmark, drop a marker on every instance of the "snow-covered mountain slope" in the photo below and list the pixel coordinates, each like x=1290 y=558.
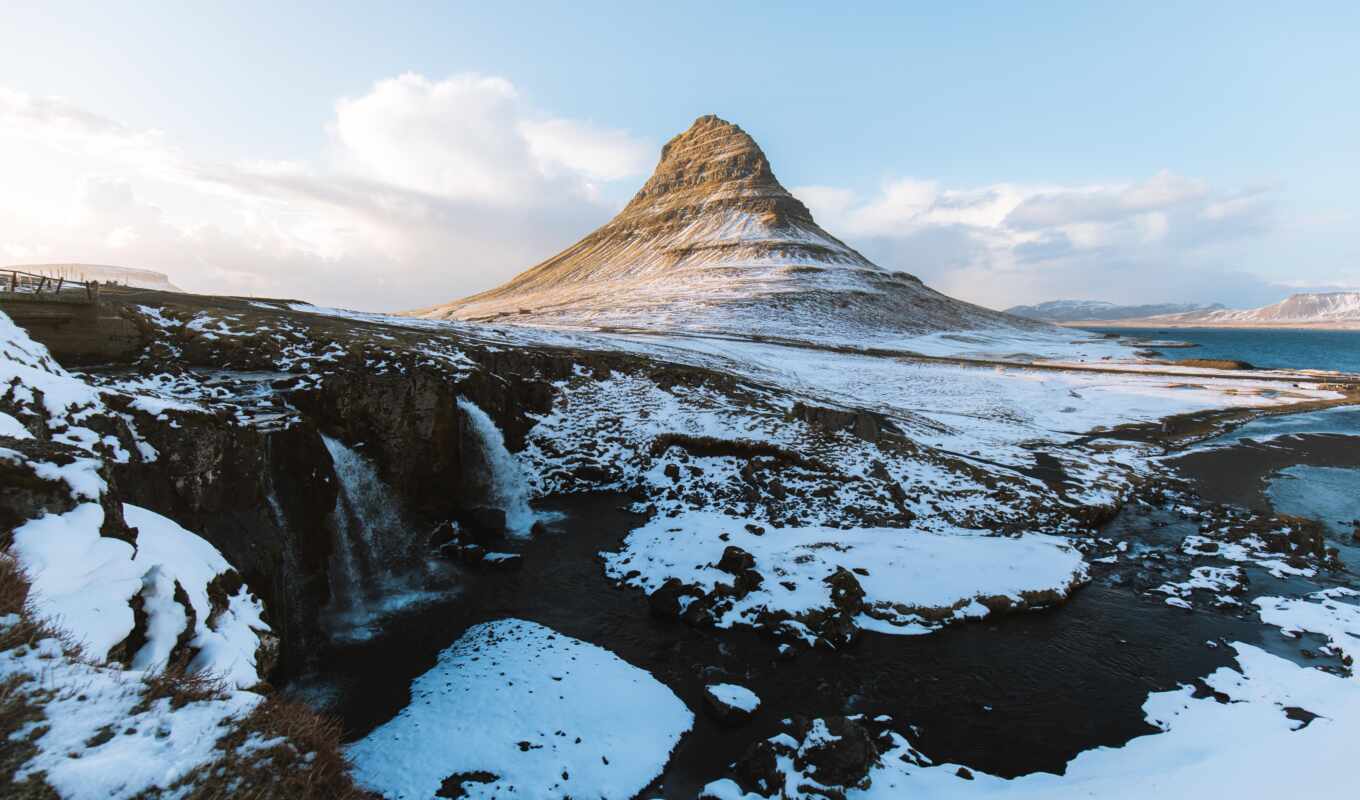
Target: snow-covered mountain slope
x=712 y=243
x=1090 y=310
x=1306 y=309
x=104 y=273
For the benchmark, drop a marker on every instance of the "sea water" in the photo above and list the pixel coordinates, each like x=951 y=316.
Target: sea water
x=1273 y=348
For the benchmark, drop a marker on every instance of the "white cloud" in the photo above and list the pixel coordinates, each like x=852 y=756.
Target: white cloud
x=1166 y=237
x=428 y=189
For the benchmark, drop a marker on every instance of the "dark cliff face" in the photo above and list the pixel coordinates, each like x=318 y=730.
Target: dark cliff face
x=255 y=478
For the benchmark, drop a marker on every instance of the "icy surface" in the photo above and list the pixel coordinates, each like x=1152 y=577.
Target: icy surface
x=545 y=714
x=1330 y=495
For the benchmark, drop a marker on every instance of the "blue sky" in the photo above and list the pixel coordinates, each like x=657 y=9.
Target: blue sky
x=1204 y=151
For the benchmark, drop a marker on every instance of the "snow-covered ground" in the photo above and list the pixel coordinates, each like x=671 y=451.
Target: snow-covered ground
x=912 y=581
x=1253 y=743
x=98 y=737
x=515 y=709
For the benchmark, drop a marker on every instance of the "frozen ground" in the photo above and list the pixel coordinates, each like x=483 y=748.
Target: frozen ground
x=514 y=709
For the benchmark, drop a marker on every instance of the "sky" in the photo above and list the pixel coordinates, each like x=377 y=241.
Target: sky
x=393 y=156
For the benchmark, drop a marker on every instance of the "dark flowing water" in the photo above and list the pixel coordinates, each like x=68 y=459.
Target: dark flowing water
x=1273 y=348
x=1020 y=694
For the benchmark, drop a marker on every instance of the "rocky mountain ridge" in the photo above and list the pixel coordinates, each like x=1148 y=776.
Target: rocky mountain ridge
x=1092 y=310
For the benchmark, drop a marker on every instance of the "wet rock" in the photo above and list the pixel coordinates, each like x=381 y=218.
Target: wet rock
x=444 y=533
x=665 y=601
x=489 y=520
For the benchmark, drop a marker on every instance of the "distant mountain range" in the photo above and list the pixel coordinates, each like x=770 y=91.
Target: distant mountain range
x=1097 y=310
x=104 y=273
x=1338 y=310
x=1311 y=310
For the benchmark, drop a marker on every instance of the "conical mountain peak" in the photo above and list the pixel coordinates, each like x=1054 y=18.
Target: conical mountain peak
x=714 y=161
x=713 y=242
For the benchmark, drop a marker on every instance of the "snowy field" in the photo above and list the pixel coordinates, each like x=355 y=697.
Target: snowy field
x=912 y=581
x=515 y=709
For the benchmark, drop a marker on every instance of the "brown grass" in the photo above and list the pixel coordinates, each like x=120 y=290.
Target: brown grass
x=306 y=765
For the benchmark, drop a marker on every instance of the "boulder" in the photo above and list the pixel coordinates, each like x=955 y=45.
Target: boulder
x=665 y=601
x=736 y=560
x=730 y=704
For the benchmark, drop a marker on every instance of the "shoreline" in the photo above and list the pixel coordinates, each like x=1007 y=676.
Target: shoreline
x=1202 y=325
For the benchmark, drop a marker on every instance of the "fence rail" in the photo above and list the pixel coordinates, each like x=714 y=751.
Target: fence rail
x=46 y=287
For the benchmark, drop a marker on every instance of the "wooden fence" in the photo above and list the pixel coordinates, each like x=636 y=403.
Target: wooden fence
x=28 y=285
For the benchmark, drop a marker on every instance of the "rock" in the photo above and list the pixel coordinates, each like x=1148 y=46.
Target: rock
x=665 y=601
x=731 y=705
x=846 y=593
x=736 y=560
x=444 y=533
x=755 y=529
x=672 y=471
x=491 y=520
x=836 y=751
x=1355 y=535
x=503 y=561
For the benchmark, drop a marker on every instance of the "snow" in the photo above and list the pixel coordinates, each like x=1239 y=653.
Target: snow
x=548 y=715
x=84 y=582
x=151 y=746
x=902 y=572
x=9 y=426
x=1323 y=613
x=734 y=696
x=1247 y=747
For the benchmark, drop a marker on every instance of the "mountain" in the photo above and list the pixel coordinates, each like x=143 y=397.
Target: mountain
x=1305 y=310
x=1099 y=310
x=713 y=243
x=104 y=273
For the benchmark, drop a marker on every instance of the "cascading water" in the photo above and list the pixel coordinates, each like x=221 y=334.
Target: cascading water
x=378 y=567
x=507 y=485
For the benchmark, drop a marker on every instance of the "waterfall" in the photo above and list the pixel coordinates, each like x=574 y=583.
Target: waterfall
x=378 y=566
x=507 y=485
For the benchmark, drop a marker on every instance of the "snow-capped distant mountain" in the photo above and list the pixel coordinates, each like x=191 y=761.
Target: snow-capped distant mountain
x=104 y=273
x=713 y=243
x=1097 y=310
x=1317 y=309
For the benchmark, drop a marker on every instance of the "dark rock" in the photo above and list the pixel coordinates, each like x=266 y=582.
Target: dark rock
x=453 y=787
x=665 y=601
x=728 y=715
x=837 y=751
x=736 y=560
x=486 y=519
x=755 y=529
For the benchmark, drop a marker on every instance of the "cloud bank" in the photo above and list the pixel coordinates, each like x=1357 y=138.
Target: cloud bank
x=427 y=190
x=1166 y=237
x=431 y=189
